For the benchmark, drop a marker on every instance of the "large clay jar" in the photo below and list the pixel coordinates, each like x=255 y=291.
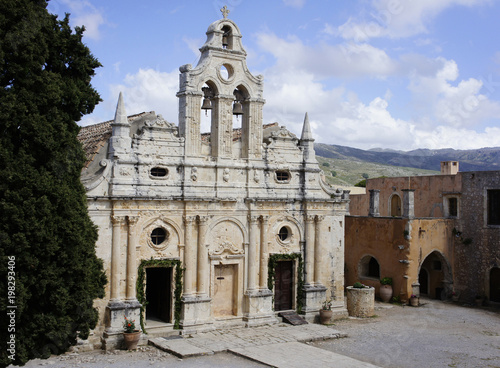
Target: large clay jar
x=131 y=339
x=385 y=293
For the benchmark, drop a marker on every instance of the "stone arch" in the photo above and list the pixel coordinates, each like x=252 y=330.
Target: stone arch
x=440 y=278
x=369 y=267
x=395 y=205
x=295 y=230
x=230 y=220
x=175 y=236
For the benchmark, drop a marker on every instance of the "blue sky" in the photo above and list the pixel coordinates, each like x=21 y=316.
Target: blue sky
x=400 y=74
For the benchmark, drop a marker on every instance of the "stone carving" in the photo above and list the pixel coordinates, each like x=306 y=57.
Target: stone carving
x=226 y=246
x=256 y=176
x=225 y=176
x=225 y=11
x=194 y=174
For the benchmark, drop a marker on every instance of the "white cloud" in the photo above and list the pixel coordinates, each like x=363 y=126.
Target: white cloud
x=84 y=13
x=295 y=3
x=398 y=19
x=325 y=59
x=150 y=90
x=457 y=105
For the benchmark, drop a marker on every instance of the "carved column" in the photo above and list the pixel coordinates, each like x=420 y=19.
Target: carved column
x=202 y=256
x=309 y=250
x=189 y=256
x=131 y=258
x=252 y=253
x=115 y=258
x=317 y=250
x=263 y=251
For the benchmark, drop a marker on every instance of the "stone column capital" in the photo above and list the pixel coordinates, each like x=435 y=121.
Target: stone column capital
x=310 y=218
x=118 y=220
x=202 y=220
x=264 y=218
x=253 y=219
x=132 y=220
x=320 y=218
x=188 y=220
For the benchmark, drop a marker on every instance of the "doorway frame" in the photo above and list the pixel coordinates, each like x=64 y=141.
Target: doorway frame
x=177 y=278
x=237 y=261
x=298 y=275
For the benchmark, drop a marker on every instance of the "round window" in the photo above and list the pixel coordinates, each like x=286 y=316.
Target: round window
x=284 y=233
x=158 y=236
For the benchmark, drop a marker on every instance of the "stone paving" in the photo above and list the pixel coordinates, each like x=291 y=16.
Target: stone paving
x=276 y=346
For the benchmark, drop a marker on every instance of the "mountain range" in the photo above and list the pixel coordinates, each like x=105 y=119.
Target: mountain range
x=483 y=159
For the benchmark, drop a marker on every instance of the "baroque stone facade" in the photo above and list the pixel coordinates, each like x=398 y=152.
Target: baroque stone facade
x=243 y=212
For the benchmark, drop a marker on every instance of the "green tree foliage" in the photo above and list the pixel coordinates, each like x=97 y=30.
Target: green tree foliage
x=326 y=164
x=45 y=73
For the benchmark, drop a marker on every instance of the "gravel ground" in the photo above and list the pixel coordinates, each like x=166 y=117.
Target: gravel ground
x=435 y=334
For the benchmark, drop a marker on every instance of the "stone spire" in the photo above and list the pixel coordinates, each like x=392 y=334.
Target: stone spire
x=120 y=114
x=306 y=130
x=120 y=141
x=307 y=142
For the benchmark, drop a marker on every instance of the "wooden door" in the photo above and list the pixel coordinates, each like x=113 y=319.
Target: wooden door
x=159 y=293
x=283 y=286
x=495 y=285
x=223 y=295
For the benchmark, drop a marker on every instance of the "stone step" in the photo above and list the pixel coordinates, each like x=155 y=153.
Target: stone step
x=292 y=318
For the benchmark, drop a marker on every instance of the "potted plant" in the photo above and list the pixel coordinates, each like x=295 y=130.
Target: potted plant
x=414 y=300
x=131 y=335
x=325 y=313
x=386 y=289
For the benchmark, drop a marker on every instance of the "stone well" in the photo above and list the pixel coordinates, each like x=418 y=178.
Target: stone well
x=360 y=302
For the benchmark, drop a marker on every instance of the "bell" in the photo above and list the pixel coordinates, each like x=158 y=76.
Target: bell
x=237 y=109
x=207 y=105
x=224 y=41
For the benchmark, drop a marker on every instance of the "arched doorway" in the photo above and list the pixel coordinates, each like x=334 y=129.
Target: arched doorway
x=395 y=206
x=495 y=285
x=423 y=280
x=435 y=276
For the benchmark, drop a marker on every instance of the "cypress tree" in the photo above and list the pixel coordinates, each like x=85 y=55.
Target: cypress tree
x=49 y=272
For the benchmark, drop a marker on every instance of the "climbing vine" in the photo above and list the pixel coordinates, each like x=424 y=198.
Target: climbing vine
x=141 y=297
x=273 y=260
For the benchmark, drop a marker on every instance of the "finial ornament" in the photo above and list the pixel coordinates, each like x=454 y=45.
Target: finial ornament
x=225 y=11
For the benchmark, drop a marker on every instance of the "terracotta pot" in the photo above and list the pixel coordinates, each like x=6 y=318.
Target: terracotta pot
x=131 y=339
x=385 y=293
x=325 y=316
x=414 y=302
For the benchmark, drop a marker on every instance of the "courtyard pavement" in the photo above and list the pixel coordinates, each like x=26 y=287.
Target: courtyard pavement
x=276 y=346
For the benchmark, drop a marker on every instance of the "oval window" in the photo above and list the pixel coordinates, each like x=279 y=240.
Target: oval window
x=159 y=172
x=284 y=233
x=282 y=176
x=158 y=235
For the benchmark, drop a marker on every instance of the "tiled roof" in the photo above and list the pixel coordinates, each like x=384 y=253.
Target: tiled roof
x=93 y=137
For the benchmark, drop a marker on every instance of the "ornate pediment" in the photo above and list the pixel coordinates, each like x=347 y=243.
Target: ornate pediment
x=226 y=247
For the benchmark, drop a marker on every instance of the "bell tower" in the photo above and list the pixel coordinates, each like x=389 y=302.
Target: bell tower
x=221 y=85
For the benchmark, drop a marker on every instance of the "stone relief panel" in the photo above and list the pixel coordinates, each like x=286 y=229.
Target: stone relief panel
x=159 y=237
x=226 y=237
x=284 y=235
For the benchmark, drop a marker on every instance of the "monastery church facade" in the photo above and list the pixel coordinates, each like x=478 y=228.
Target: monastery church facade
x=201 y=231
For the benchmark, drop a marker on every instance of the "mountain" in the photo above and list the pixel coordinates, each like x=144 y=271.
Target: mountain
x=483 y=159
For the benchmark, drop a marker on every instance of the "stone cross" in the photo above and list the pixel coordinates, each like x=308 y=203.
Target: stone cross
x=225 y=11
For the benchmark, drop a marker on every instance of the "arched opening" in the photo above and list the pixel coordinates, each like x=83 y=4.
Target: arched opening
x=240 y=94
x=435 y=276
x=369 y=268
x=227 y=37
x=495 y=285
x=395 y=206
x=208 y=106
x=423 y=280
